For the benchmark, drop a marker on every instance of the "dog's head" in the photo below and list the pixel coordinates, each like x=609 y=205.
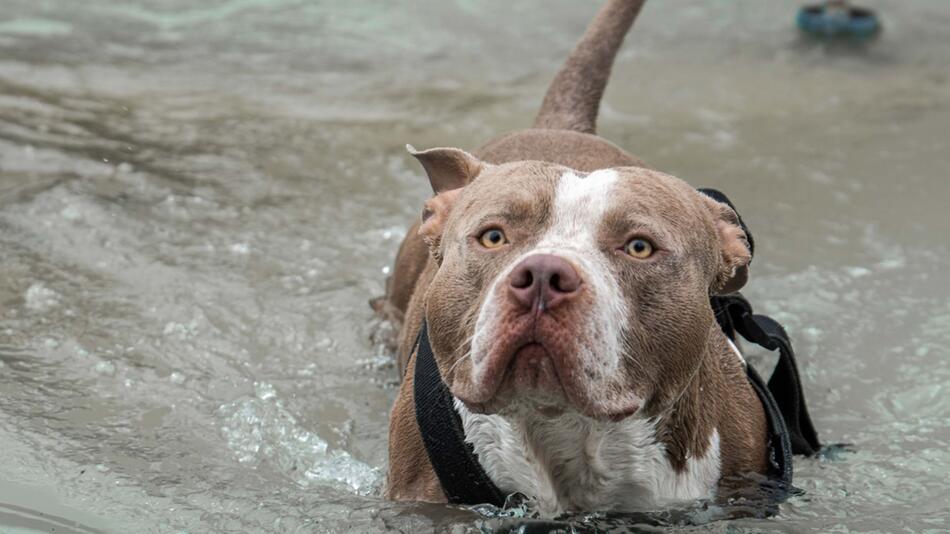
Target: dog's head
x=558 y=290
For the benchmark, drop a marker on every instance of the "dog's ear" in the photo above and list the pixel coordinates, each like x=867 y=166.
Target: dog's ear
x=448 y=168
x=434 y=215
x=734 y=249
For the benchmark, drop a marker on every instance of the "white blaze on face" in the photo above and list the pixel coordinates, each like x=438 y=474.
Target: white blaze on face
x=580 y=204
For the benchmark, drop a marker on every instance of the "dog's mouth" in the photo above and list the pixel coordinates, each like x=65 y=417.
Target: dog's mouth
x=542 y=377
x=532 y=367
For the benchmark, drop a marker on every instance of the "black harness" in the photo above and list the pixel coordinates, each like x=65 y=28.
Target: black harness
x=790 y=430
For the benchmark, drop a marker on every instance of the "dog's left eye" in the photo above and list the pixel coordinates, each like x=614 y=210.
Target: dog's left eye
x=492 y=238
x=639 y=248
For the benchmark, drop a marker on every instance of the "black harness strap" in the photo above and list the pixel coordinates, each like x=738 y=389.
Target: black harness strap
x=779 y=445
x=463 y=479
x=734 y=314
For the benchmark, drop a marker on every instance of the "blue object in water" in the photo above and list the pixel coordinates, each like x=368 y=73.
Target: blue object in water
x=829 y=21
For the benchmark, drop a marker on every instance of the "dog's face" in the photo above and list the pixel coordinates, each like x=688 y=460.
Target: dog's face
x=558 y=290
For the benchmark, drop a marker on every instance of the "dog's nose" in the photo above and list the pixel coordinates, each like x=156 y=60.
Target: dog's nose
x=543 y=281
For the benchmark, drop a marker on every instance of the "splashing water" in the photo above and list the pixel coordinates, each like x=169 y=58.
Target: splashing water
x=259 y=429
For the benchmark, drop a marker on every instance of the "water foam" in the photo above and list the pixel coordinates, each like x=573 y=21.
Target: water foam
x=260 y=430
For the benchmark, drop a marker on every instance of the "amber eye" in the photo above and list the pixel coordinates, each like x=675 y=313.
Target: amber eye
x=493 y=238
x=639 y=248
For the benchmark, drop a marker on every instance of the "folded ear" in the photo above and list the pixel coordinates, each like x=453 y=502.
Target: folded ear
x=735 y=251
x=434 y=215
x=448 y=168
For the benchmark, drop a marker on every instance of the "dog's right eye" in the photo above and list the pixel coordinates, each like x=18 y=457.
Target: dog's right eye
x=492 y=238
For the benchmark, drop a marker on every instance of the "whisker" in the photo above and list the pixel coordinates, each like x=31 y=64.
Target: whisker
x=460 y=360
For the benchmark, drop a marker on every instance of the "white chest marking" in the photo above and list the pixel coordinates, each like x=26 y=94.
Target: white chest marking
x=575 y=464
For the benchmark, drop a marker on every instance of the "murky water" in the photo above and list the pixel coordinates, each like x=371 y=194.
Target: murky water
x=198 y=199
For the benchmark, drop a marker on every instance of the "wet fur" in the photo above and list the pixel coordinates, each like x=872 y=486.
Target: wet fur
x=570 y=461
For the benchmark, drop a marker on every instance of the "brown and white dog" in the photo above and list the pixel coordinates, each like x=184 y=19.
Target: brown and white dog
x=566 y=290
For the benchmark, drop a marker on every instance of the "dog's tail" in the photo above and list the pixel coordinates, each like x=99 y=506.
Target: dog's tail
x=573 y=98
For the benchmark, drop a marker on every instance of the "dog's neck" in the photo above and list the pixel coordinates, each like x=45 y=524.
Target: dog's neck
x=571 y=462
x=685 y=424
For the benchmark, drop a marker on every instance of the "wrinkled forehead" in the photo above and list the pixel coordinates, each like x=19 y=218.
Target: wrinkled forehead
x=543 y=193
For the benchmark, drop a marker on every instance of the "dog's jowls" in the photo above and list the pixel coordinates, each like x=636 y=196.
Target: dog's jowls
x=566 y=290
